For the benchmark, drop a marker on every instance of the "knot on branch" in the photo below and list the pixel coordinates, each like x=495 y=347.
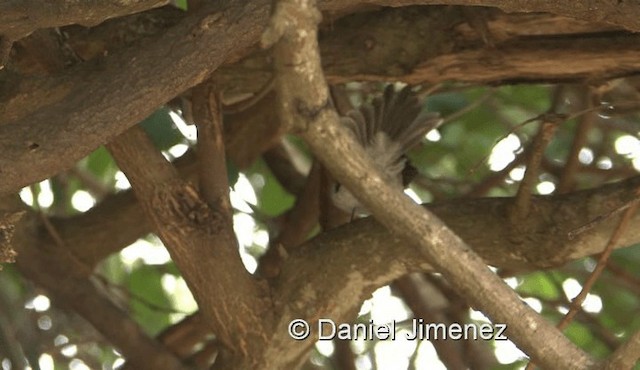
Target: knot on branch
x=180 y=206
x=310 y=113
x=7 y=229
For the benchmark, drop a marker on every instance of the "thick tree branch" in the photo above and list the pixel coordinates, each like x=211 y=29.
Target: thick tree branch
x=212 y=166
x=20 y=18
x=527 y=48
x=250 y=133
x=116 y=222
x=623 y=14
x=366 y=248
x=82 y=105
x=303 y=90
x=362 y=256
x=114 y=87
x=201 y=242
x=23 y=17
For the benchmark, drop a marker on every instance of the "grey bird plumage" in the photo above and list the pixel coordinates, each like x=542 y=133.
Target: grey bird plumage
x=387 y=129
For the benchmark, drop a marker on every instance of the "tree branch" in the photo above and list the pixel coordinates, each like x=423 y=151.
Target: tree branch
x=535 y=152
x=118 y=221
x=622 y=14
x=374 y=46
x=48 y=262
x=131 y=85
x=7 y=229
x=201 y=242
x=298 y=224
x=119 y=88
x=303 y=90
x=365 y=248
x=20 y=18
x=360 y=257
x=283 y=168
x=212 y=166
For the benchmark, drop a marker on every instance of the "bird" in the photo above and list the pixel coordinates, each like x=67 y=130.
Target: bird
x=387 y=128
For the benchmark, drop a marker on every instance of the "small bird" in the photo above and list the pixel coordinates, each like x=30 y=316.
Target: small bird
x=387 y=129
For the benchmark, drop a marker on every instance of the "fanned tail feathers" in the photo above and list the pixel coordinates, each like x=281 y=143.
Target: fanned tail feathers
x=397 y=114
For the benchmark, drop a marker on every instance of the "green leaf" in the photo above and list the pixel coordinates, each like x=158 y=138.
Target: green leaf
x=539 y=284
x=100 y=164
x=579 y=334
x=535 y=98
x=180 y=4
x=273 y=199
x=161 y=129
x=232 y=172
x=150 y=304
x=114 y=270
x=446 y=103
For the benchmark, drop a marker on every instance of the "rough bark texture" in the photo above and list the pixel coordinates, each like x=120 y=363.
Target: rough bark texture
x=415 y=45
x=64 y=92
x=98 y=100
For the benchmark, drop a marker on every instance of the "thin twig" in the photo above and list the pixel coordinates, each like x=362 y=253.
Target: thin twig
x=425 y=91
x=576 y=302
x=602 y=263
x=600 y=219
x=520 y=208
x=136 y=297
x=624 y=275
x=587 y=121
x=58 y=241
x=549 y=123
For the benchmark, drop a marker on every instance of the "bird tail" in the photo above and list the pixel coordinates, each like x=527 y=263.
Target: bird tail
x=396 y=113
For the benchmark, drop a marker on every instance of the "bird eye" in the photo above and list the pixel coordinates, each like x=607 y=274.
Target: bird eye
x=336 y=187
